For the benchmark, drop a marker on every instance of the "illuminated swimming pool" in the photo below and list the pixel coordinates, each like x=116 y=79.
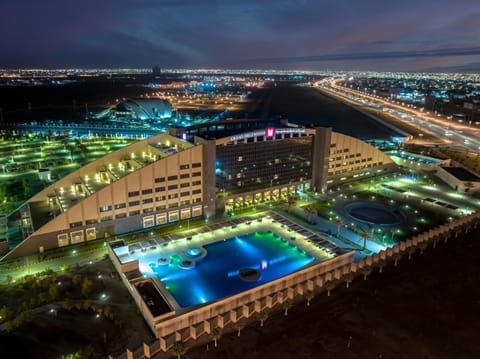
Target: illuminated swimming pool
x=216 y=275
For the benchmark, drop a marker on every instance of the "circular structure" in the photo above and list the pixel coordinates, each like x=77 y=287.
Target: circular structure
x=374 y=213
x=195 y=252
x=186 y=264
x=163 y=261
x=249 y=274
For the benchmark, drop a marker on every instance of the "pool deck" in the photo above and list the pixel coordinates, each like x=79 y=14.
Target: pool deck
x=327 y=257
x=157 y=251
x=312 y=243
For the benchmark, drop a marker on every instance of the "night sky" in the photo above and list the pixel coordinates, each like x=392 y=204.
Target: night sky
x=404 y=35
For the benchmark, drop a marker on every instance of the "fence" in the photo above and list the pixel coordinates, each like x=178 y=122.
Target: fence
x=220 y=315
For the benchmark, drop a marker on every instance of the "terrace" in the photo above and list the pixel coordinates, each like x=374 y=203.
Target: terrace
x=65 y=194
x=163 y=260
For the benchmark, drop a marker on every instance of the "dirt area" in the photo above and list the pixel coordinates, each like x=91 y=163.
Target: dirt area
x=58 y=328
x=426 y=307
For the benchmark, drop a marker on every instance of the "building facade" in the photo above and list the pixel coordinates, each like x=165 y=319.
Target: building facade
x=174 y=176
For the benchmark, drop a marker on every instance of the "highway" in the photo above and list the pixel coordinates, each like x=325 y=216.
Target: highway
x=450 y=132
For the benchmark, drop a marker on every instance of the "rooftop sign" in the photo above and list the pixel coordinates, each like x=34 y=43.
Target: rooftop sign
x=269 y=132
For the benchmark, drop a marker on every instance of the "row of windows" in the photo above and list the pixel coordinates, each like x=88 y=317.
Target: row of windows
x=187 y=166
x=345 y=163
x=338 y=158
x=136 y=212
x=247 y=167
x=132 y=213
x=368 y=165
x=183 y=175
x=341 y=150
x=162 y=189
x=150 y=200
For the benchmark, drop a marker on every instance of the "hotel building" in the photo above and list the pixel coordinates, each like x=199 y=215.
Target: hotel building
x=199 y=171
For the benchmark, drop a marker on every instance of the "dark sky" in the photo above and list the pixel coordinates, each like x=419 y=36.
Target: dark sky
x=397 y=35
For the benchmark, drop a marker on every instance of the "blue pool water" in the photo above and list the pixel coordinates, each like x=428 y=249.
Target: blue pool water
x=215 y=276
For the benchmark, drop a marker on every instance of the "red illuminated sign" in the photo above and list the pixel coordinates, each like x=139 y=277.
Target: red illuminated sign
x=270 y=132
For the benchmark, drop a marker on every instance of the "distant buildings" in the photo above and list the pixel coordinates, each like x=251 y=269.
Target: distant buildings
x=144 y=109
x=459 y=178
x=156 y=70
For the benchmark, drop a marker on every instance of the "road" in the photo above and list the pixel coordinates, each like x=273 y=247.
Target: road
x=452 y=133
x=308 y=106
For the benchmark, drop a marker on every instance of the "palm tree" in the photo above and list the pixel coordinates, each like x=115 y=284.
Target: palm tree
x=311 y=213
x=178 y=349
x=287 y=304
x=329 y=286
x=396 y=258
x=291 y=200
x=423 y=245
x=365 y=236
x=347 y=277
x=309 y=295
x=5 y=313
x=339 y=224
x=392 y=230
x=381 y=264
x=366 y=271
x=263 y=316
x=239 y=325
x=215 y=334
x=411 y=251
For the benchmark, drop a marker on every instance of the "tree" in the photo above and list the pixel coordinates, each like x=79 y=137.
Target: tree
x=76 y=279
x=311 y=213
x=86 y=287
x=87 y=352
x=86 y=305
x=239 y=325
x=42 y=298
x=347 y=277
x=365 y=236
x=107 y=312
x=422 y=245
x=286 y=305
x=53 y=291
x=27 y=192
x=178 y=349
x=329 y=286
x=392 y=231
x=339 y=224
x=5 y=313
x=9 y=279
x=366 y=271
x=396 y=258
x=291 y=200
x=215 y=334
x=67 y=304
x=381 y=264
x=411 y=251
x=262 y=316
x=309 y=295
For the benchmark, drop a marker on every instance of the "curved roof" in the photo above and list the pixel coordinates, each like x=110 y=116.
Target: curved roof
x=147 y=108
